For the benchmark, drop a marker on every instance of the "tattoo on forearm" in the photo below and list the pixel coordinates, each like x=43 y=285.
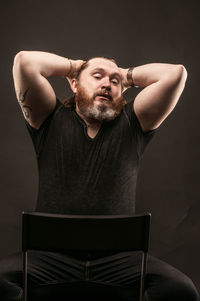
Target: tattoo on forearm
x=26 y=111
x=21 y=97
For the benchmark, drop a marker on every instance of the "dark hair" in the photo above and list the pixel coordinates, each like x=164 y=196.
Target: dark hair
x=69 y=101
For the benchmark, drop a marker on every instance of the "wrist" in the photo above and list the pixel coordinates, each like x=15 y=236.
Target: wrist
x=129 y=77
x=69 y=67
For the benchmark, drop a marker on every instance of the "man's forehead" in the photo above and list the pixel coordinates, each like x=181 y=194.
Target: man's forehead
x=102 y=63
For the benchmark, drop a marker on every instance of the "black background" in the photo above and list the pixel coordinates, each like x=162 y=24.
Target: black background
x=134 y=33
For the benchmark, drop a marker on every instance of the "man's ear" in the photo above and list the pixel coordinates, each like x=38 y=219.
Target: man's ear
x=73 y=84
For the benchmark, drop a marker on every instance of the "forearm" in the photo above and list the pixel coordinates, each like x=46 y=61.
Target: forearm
x=145 y=75
x=44 y=63
x=148 y=74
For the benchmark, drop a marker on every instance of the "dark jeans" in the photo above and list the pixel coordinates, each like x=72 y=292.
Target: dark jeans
x=62 y=277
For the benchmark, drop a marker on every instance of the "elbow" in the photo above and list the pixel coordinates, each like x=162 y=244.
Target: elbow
x=181 y=73
x=23 y=63
x=20 y=58
x=19 y=55
x=177 y=75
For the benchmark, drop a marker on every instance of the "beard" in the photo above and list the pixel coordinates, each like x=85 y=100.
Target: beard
x=105 y=111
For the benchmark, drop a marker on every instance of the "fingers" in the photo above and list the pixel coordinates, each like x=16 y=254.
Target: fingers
x=75 y=67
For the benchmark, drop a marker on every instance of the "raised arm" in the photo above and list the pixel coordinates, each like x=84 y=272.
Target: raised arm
x=163 y=85
x=34 y=92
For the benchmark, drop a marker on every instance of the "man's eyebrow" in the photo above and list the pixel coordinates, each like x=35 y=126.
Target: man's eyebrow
x=101 y=70
x=115 y=74
x=98 y=70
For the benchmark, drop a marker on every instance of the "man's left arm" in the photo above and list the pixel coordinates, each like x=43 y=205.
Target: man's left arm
x=163 y=85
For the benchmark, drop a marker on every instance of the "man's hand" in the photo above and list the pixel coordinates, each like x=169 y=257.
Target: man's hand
x=75 y=66
x=125 y=84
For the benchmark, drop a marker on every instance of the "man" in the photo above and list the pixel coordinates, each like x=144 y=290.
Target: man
x=88 y=152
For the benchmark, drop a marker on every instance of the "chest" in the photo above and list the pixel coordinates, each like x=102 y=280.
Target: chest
x=92 y=132
x=83 y=147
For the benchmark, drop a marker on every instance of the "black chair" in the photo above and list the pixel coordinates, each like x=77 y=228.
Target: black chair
x=55 y=232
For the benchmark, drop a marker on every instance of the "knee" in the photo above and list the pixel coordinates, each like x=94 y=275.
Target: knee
x=173 y=289
x=10 y=291
x=185 y=290
x=11 y=278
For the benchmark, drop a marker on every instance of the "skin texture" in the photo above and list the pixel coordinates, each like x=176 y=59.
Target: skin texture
x=104 y=110
x=100 y=88
x=162 y=87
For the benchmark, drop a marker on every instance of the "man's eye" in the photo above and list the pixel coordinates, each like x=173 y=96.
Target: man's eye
x=97 y=76
x=115 y=82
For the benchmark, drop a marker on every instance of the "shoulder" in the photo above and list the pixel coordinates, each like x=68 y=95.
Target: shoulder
x=130 y=114
x=129 y=111
x=58 y=111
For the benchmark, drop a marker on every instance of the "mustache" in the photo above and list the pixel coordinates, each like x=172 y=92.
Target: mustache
x=106 y=94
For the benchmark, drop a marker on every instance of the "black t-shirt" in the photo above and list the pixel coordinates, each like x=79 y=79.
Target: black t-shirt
x=81 y=175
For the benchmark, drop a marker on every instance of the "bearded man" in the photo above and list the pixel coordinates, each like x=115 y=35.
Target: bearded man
x=88 y=150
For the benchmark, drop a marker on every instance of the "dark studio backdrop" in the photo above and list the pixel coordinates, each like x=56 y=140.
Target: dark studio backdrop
x=134 y=33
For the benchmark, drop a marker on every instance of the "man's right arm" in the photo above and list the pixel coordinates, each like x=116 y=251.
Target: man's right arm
x=34 y=92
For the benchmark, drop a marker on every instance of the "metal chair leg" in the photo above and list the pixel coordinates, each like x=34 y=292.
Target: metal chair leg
x=25 y=261
x=143 y=274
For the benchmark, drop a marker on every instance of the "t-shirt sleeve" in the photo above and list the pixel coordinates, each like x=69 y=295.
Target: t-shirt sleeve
x=142 y=138
x=38 y=135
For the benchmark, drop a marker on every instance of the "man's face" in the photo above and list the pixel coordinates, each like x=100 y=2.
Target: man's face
x=99 y=90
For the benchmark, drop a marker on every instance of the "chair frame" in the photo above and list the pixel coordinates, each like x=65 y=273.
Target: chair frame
x=117 y=226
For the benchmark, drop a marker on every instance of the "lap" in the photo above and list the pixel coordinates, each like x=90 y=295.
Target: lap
x=170 y=283
x=52 y=272
x=163 y=282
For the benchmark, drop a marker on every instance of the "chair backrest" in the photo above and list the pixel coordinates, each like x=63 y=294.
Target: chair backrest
x=55 y=232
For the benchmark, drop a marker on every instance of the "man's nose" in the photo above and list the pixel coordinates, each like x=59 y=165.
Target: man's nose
x=106 y=84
